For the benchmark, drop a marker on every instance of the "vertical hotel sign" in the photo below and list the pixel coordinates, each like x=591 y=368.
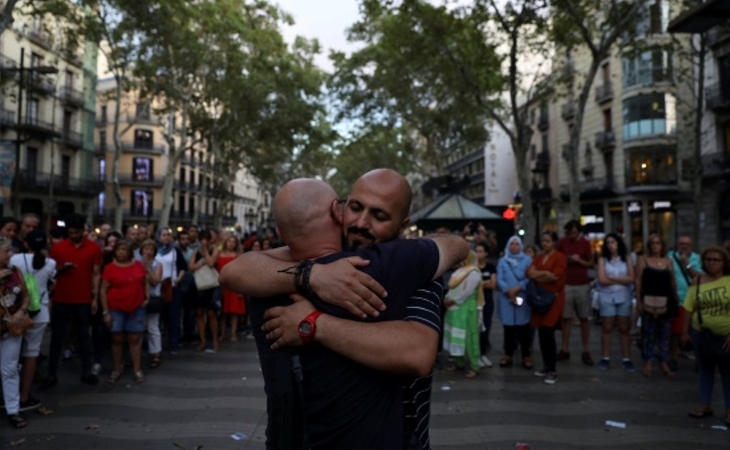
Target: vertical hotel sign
x=7 y=168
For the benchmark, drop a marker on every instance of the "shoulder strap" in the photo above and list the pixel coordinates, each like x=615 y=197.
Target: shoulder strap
x=697 y=301
x=682 y=268
x=25 y=261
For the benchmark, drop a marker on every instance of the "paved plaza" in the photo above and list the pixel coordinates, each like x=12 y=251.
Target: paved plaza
x=199 y=400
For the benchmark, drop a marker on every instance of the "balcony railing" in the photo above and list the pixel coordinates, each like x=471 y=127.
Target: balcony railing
x=716 y=165
x=7 y=118
x=138 y=214
x=72 y=96
x=604 y=93
x=42 y=84
x=717 y=97
x=543 y=121
x=71 y=138
x=595 y=185
x=568 y=110
x=39 y=181
x=41 y=38
x=34 y=125
x=7 y=62
x=717 y=35
x=131 y=180
x=142 y=147
x=605 y=140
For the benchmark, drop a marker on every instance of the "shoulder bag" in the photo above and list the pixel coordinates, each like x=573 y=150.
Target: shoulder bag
x=15 y=328
x=205 y=277
x=710 y=346
x=31 y=285
x=539 y=299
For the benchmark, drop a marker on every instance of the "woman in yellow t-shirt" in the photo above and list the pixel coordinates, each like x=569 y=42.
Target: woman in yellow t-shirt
x=713 y=297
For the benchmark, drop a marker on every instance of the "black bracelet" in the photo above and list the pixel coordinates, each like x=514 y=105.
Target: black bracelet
x=301 y=278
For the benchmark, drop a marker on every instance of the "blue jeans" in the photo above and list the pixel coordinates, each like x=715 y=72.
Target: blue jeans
x=707 y=374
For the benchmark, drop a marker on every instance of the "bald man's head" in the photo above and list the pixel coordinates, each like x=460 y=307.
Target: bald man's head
x=377 y=208
x=302 y=208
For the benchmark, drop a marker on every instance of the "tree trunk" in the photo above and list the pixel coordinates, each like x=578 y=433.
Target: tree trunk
x=527 y=215
x=6 y=16
x=697 y=175
x=118 y=199
x=173 y=159
x=573 y=156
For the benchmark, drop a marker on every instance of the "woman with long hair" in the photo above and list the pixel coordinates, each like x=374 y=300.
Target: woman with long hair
x=548 y=272
x=461 y=323
x=15 y=300
x=708 y=310
x=514 y=315
x=234 y=304
x=43 y=270
x=124 y=295
x=657 y=304
x=615 y=275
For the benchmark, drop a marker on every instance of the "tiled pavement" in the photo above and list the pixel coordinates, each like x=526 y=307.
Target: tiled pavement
x=197 y=400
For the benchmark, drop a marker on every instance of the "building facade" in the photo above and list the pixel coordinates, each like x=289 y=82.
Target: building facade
x=47 y=97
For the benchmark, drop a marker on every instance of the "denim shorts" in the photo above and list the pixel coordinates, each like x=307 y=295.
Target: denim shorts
x=124 y=322
x=609 y=308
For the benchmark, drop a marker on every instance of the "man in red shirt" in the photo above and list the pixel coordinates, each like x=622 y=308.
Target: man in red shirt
x=75 y=297
x=577 y=288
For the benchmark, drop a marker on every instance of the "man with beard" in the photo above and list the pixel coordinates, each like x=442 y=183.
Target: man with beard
x=376 y=211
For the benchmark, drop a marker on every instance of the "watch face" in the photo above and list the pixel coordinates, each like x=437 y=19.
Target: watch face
x=305 y=328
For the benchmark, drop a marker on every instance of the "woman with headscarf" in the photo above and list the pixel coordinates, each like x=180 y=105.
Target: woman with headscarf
x=461 y=323
x=514 y=314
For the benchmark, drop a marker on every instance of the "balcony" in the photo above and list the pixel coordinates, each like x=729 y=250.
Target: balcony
x=139 y=215
x=716 y=165
x=543 y=121
x=596 y=187
x=129 y=180
x=604 y=93
x=36 y=127
x=71 y=138
x=717 y=35
x=62 y=185
x=718 y=98
x=7 y=118
x=541 y=163
x=42 y=84
x=101 y=122
x=73 y=57
x=567 y=111
x=143 y=148
x=605 y=140
x=72 y=97
x=41 y=38
x=6 y=62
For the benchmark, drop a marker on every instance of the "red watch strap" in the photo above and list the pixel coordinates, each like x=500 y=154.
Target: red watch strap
x=312 y=320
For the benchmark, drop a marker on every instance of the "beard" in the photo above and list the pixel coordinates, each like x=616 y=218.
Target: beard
x=362 y=238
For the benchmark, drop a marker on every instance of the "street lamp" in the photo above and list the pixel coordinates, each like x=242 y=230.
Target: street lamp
x=46 y=70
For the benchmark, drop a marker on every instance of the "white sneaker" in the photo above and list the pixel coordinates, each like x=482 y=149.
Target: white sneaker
x=96 y=369
x=485 y=362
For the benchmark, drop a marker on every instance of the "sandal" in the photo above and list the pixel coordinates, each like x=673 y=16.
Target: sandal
x=139 y=377
x=113 y=377
x=527 y=363
x=44 y=410
x=470 y=374
x=667 y=371
x=17 y=421
x=699 y=413
x=506 y=361
x=155 y=363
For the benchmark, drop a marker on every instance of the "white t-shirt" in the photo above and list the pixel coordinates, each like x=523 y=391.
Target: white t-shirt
x=24 y=263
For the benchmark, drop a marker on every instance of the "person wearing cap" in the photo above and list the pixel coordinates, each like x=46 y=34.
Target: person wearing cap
x=43 y=270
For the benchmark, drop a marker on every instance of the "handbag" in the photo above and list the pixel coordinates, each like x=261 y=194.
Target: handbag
x=710 y=346
x=539 y=299
x=154 y=305
x=206 y=277
x=166 y=290
x=31 y=285
x=656 y=305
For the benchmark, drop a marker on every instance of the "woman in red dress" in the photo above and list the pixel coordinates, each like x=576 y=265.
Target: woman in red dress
x=233 y=303
x=548 y=272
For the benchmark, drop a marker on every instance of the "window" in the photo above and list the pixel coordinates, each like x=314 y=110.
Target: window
x=102 y=140
x=69 y=79
x=65 y=168
x=182 y=175
x=191 y=204
x=67 y=116
x=31 y=160
x=654 y=18
x=31 y=111
x=647 y=68
x=103 y=113
x=143 y=111
x=141 y=203
x=649 y=115
x=652 y=166
x=142 y=169
x=143 y=139
x=101 y=203
x=102 y=169
x=181 y=204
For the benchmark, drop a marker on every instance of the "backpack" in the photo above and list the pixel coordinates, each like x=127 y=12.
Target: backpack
x=34 y=292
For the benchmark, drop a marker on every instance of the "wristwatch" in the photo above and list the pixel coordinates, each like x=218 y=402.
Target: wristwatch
x=308 y=326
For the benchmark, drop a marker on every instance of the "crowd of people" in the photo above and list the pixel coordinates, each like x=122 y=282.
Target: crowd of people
x=118 y=291
x=678 y=301
x=121 y=291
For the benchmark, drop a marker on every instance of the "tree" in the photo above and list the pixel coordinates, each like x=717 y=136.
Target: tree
x=596 y=26
x=401 y=78
x=6 y=15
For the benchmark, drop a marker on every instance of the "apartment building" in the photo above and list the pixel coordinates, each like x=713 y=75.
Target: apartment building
x=635 y=140
x=200 y=188
x=463 y=163
x=712 y=19
x=47 y=95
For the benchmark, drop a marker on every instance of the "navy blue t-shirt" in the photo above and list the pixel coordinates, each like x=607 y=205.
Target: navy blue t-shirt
x=346 y=404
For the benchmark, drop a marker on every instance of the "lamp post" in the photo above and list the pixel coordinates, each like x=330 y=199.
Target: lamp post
x=18 y=140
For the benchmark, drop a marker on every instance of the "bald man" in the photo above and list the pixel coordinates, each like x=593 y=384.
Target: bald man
x=335 y=384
